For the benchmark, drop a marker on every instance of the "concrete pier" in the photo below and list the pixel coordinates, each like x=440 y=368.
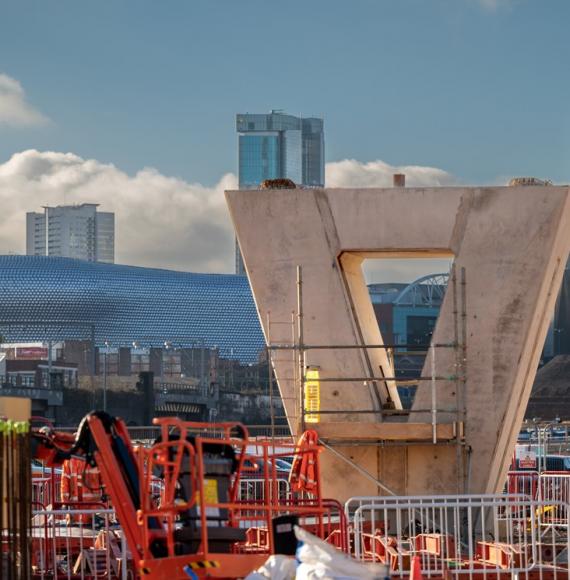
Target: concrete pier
x=509 y=246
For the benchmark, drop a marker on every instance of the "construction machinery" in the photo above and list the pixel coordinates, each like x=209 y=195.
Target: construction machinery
x=206 y=501
x=201 y=522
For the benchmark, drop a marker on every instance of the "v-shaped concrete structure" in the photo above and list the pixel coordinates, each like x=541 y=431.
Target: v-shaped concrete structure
x=511 y=245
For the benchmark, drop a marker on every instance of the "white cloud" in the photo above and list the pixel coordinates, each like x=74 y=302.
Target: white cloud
x=352 y=173
x=161 y=221
x=15 y=111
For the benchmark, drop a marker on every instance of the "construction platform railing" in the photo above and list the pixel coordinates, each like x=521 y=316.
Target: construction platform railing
x=146 y=434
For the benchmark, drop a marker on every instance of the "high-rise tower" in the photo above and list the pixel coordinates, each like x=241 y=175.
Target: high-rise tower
x=276 y=145
x=72 y=231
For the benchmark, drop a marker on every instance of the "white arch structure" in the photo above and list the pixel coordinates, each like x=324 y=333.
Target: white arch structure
x=435 y=286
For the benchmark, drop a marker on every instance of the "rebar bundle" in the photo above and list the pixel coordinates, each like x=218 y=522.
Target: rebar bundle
x=16 y=500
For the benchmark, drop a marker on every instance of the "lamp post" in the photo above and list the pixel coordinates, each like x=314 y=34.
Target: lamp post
x=167 y=363
x=542 y=446
x=105 y=377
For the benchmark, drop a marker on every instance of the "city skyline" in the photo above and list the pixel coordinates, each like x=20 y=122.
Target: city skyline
x=147 y=129
x=442 y=98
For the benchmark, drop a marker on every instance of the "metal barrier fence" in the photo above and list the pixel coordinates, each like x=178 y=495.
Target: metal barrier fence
x=252 y=493
x=42 y=491
x=253 y=489
x=554 y=493
x=352 y=504
x=79 y=544
x=479 y=536
x=46 y=488
x=522 y=483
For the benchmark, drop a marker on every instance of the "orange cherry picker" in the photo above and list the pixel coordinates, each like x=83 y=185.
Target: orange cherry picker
x=203 y=525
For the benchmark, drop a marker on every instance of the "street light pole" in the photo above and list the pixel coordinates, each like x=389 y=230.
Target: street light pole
x=203 y=369
x=49 y=365
x=543 y=445
x=105 y=377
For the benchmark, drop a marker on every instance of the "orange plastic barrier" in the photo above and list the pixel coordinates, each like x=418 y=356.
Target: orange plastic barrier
x=303 y=475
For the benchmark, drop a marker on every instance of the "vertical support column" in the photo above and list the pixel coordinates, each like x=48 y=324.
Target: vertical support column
x=433 y=396
x=459 y=388
x=301 y=347
x=203 y=382
x=93 y=365
x=105 y=377
x=145 y=385
x=294 y=366
x=463 y=341
x=124 y=361
x=463 y=380
x=270 y=376
x=155 y=361
x=50 y=362
x=93 y=352
x=271 y=400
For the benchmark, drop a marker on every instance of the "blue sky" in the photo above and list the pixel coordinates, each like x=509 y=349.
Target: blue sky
x=92 y=94
x=475 y=87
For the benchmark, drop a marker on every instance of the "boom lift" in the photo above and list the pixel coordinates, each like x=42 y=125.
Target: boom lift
x=202 y=526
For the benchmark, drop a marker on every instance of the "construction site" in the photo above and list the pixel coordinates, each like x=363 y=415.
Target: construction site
x=357 y=484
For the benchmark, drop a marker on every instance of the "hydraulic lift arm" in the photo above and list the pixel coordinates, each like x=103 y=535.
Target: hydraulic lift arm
x=202 y=527
x=102 y=441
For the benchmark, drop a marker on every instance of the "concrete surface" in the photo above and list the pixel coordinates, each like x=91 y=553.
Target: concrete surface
x=512 y=243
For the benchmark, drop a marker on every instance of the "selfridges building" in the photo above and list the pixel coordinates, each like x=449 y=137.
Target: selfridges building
x=51 y=299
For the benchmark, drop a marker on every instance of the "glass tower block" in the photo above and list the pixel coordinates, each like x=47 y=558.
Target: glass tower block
x=276 y=145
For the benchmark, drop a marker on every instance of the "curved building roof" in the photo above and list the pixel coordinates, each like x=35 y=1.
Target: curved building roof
x=46 y=298
x=425 y=291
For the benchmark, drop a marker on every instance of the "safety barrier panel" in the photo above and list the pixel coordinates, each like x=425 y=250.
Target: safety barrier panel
x=326 y=521
x=554 y=494
x=253 y=489
x=479 y=536
x=523 y=483
x=352 y=504
x=42 y=490
x=252 y=494
x=79 y=544
x=334 y=523
x=46 y=488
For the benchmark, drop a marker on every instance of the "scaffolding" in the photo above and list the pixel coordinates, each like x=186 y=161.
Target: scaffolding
x=294 y=352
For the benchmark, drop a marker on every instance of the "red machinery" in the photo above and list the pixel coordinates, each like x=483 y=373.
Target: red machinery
x=202 y=523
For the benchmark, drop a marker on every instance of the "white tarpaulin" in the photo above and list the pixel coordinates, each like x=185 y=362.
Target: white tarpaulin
x=317 y=560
